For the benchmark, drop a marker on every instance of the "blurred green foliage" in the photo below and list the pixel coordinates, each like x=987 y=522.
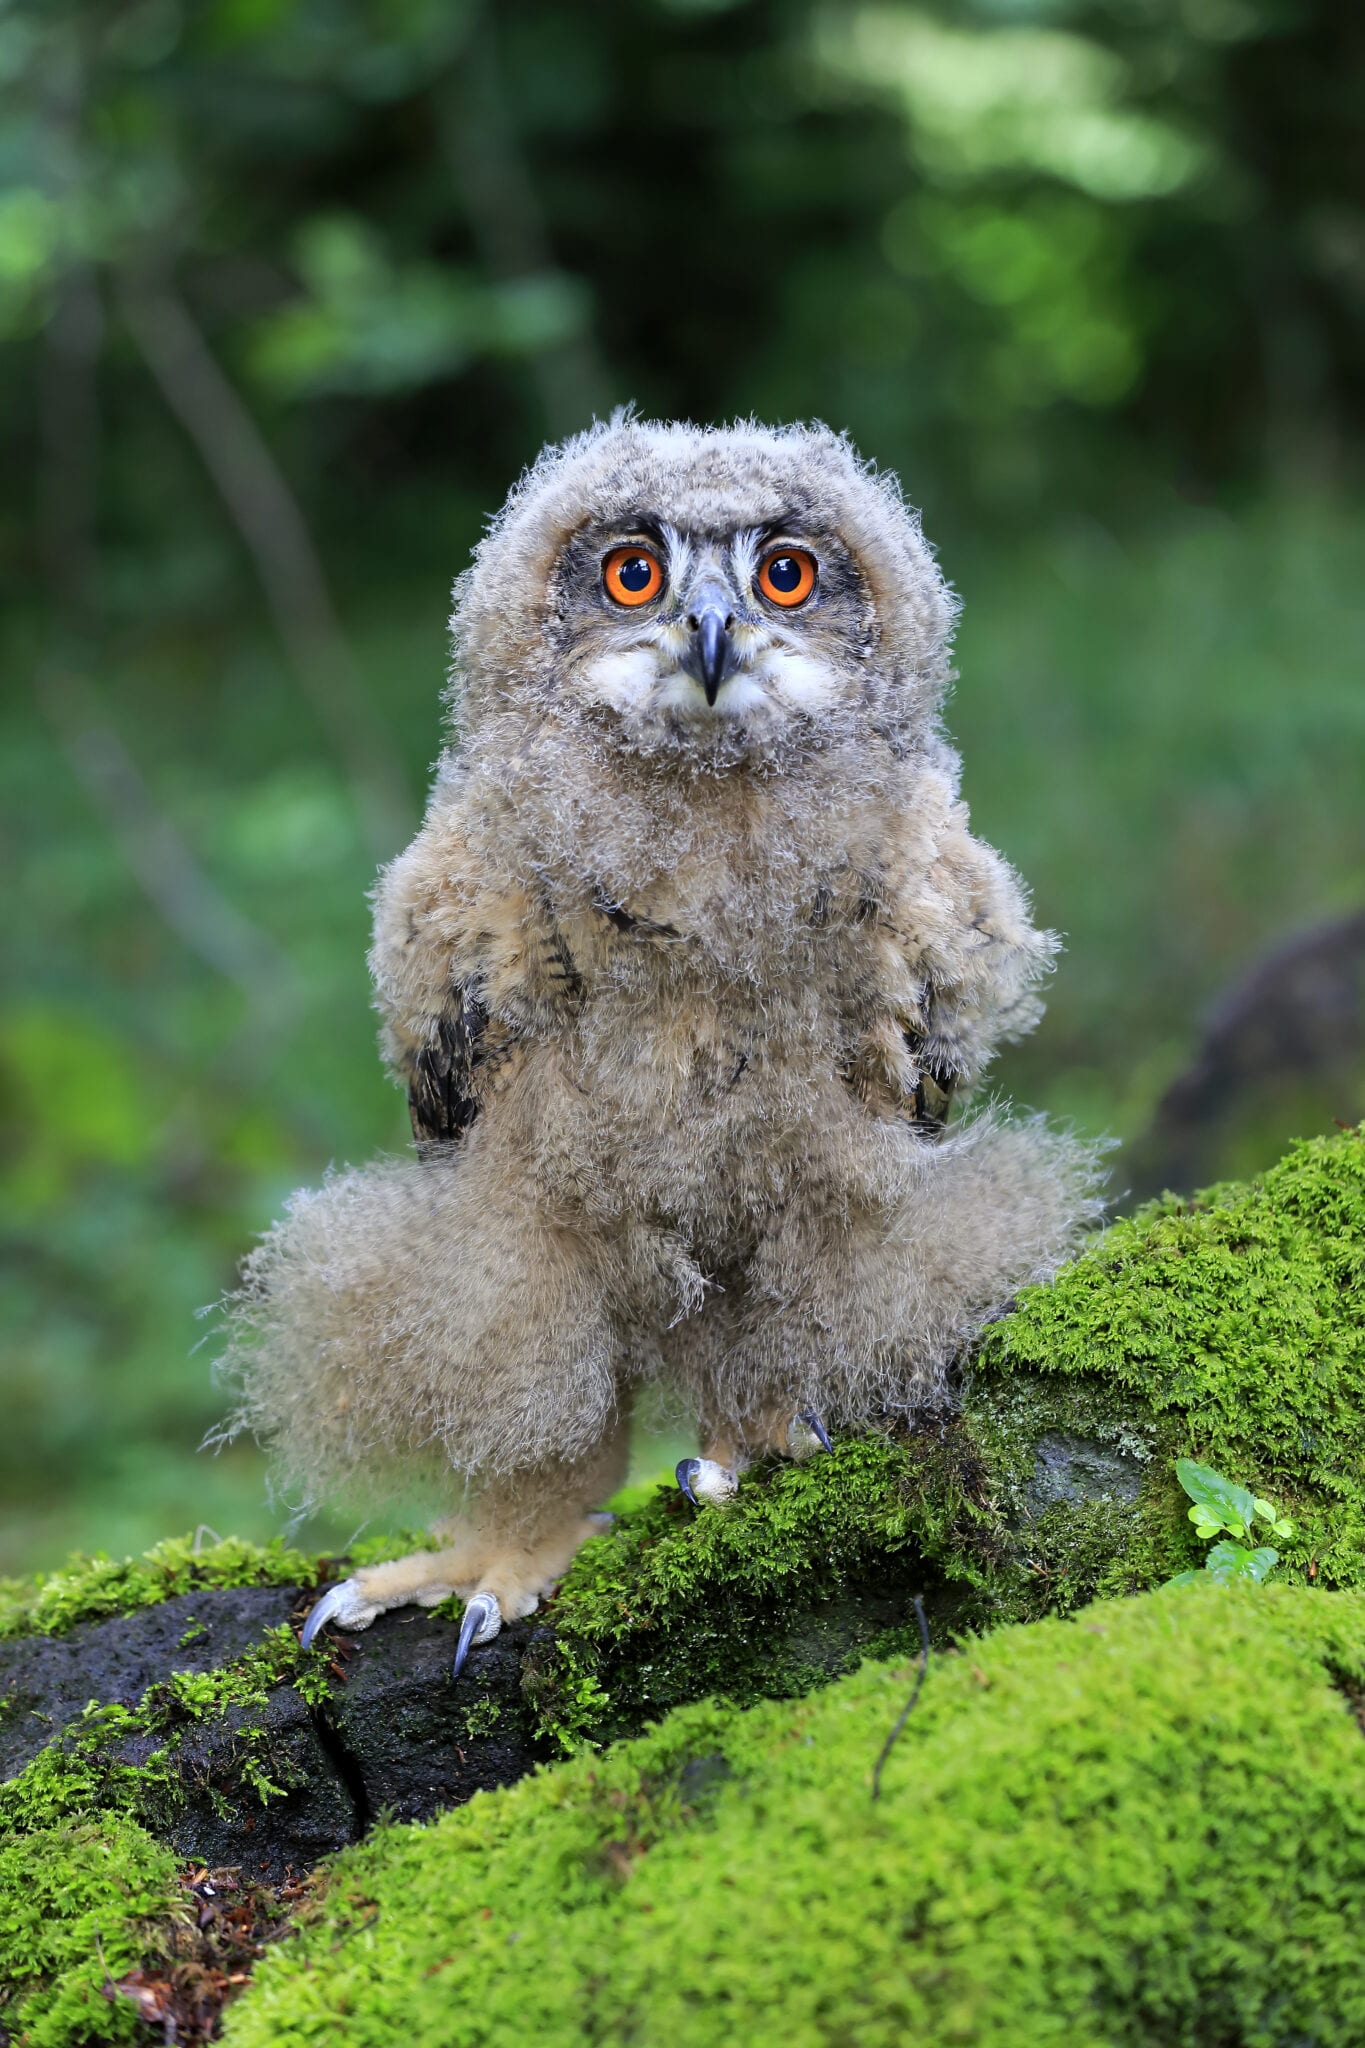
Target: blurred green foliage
x=289 y=291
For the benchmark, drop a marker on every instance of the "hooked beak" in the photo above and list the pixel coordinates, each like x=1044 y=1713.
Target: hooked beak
x=711 y=658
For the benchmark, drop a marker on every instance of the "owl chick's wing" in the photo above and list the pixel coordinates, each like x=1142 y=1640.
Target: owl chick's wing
x=467 y=963
x=962 y=963
x=935 y=1084
x=441 y=1098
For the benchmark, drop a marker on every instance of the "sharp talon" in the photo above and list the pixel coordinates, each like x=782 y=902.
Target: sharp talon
x=482 y=1620
x=705 y=1483
x=343 y=1602
x=321 y=1614
x=812 y=1421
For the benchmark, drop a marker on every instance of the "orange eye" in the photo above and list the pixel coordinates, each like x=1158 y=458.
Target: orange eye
x=787 y=576
x=632 y=575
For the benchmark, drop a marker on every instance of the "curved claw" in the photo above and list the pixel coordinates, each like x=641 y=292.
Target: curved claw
x=705 y=1483
x=482 y=1620
x=813 y=1422
x=320 y=1614
x=343 y=1602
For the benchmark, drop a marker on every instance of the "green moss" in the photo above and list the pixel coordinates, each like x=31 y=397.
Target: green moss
x=91 y=1587
x=80 y=1907
x=86 y=1892
x=669 y=1605
x=247 y=1682
x=481 y=1718
x=1231 y=1329
x=1105 y=1829
x=83 y=1773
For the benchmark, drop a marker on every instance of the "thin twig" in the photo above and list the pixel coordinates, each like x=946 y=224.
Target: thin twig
x=68 y=439
x=908 y=1708
x=272 y=526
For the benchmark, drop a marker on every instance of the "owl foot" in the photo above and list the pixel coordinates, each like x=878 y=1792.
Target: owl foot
x=344 y=1604
x=705 y=1483
x=482 y=1620
x=806 y=1434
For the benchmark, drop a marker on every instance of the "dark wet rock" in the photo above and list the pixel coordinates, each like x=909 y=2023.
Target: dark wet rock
x=50 y=1679
x=218 y=1816
x=398 y=1737
x=418 y=1740
x=1073 y=1469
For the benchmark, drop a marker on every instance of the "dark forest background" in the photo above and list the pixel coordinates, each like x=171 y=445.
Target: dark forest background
x=291 y=289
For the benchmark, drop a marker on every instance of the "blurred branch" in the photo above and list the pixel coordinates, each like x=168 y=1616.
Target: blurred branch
x=1291 y=1027
x=68 y=396
x=509 y=228
x=276 y=535
x=68 y=438
x=171 y=878
x=67 y=478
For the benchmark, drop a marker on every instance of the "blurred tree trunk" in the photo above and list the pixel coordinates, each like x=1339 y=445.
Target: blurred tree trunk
x=1284 y=1048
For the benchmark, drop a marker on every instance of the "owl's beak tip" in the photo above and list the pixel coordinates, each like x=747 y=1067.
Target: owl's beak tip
x=711 y=657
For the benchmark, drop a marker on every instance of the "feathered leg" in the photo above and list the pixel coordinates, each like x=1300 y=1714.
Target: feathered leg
x=852 y=1312
x=407 y=1319
x=411 y=1318
x=857 y=1311
x=706 y=1355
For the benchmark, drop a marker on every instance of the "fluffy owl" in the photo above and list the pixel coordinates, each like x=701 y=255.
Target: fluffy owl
x=681 y=974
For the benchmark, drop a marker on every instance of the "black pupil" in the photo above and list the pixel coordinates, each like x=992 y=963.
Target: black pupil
x=635 y=573
x=784 y=572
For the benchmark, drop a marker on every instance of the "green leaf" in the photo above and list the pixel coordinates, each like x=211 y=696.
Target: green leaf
x=1229 y=1561
x=1267 y=1512
x=1224 y=1505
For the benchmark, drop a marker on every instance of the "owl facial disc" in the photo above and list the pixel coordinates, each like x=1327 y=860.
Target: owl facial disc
x=714 y=639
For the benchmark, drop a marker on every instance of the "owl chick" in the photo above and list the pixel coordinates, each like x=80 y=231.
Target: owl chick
x=682 y=974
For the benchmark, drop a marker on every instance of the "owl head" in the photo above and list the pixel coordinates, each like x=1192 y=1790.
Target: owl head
x=705 y=593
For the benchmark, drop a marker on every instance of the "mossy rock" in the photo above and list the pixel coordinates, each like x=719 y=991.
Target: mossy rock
x=1145 y=1824
x=91 y=1587
x=1230 y=1328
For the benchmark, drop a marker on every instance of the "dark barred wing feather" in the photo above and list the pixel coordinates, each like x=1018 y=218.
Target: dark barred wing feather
x=441 y=1099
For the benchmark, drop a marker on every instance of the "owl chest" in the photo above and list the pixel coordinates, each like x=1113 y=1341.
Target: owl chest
x=669 y=1034
x=694 y=1083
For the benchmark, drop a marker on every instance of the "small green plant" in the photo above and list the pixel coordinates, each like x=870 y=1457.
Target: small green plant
x=1225 y=1510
